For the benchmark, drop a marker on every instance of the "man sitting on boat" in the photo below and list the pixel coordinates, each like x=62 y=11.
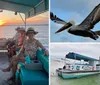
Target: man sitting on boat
x=29 y=48
x=12 y=42
x=16 y=36
x=16 y=42
x=14 y=39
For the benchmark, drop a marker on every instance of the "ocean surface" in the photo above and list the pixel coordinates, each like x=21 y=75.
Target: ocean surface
x=43 y=35
x=55 y=80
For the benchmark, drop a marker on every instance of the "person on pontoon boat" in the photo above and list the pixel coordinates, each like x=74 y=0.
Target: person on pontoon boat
x=11 y=41
x=16 y=36
x=29 y=48
x=16 y=42
x=21 y=38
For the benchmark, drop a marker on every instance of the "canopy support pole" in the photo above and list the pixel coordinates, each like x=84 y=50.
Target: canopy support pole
x=24 y=20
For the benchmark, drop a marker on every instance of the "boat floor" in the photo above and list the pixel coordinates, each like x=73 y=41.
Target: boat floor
x=4 y=75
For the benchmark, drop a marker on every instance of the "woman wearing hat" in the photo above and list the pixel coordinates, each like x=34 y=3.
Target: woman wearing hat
x=15 y=38
x=18 y=41
x=29 y=48
x=11 y=42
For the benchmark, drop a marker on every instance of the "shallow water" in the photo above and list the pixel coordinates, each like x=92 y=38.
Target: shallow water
x=55 y=80
x=90 y=80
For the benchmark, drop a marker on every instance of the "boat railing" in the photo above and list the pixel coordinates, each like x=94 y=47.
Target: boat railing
x=3 y=50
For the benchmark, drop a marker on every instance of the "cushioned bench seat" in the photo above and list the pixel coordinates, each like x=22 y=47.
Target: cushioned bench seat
x=36 y=77
x=30 y=77
x=43 y=59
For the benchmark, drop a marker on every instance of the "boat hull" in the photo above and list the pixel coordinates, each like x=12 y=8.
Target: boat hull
x=76 y=74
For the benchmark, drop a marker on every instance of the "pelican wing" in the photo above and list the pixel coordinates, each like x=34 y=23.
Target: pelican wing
x=56 y=19
x=97 y=32
x=92 y=19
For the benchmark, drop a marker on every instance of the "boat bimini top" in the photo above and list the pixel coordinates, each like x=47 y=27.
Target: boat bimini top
x=75 y=56
x=28 y=7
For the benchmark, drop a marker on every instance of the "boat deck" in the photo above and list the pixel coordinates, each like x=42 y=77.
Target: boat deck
x=4 y=75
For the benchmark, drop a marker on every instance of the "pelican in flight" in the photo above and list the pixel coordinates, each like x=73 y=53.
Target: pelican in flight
x=84 y=29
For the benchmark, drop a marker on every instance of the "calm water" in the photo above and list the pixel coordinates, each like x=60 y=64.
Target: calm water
x=43 y=35
x=55 y=80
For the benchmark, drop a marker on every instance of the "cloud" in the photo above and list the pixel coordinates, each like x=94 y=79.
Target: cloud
x=76 y=10
x=16 y=19
x=79 y=8
x=60 y=50
x=76 y=5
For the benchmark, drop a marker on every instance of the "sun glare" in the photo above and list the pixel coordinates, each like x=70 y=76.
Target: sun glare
x=2 y=22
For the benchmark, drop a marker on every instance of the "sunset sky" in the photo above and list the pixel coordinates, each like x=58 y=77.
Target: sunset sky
x=9 y=17
x=9 y=21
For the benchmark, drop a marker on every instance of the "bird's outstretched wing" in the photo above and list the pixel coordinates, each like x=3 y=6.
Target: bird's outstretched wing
x=56 y=19
x=97 y=32
x=60 y=21
x=92 y=18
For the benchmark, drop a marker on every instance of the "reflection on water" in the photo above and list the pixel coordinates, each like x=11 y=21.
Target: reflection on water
x=55 y=80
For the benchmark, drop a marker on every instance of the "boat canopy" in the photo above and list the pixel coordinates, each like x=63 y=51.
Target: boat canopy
x=28 y=7
x=72 y=55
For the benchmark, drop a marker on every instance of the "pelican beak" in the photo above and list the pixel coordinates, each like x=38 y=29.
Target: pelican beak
x=66 y=26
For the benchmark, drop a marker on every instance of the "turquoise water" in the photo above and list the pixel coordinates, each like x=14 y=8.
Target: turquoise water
x=55 y=80
x=90 y=80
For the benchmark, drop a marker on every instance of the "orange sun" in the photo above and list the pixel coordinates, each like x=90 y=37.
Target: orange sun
x=2 y=22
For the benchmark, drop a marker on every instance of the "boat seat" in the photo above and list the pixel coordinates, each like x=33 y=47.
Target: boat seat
x=34 y=65
x=43 y=59
x=35 y=77
x=30 y=77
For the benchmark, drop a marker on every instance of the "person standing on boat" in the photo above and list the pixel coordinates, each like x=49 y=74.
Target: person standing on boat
x=29 y=48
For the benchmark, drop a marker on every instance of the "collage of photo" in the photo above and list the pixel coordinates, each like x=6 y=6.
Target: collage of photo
x=49 y=42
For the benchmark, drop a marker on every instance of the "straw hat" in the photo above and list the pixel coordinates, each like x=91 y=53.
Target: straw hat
x=22 y=28
x=31 y=30
x=18 y=28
